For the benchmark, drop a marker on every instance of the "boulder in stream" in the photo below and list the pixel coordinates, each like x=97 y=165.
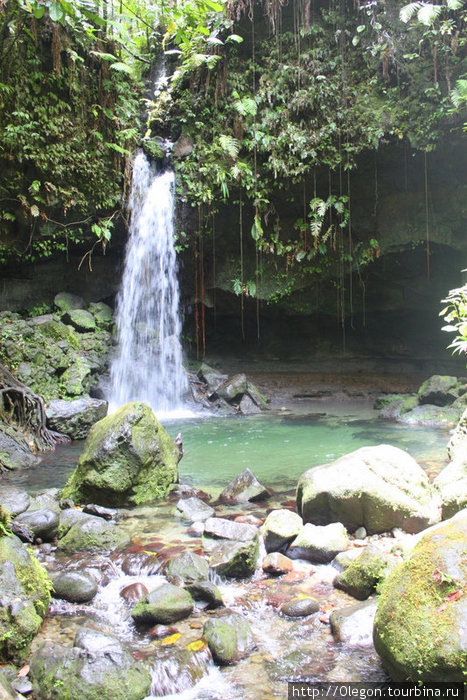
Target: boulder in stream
x=353 y=625
x=420 y=628
x=164 y=605
x=229 y=637
x=244 y=487
x=97 y=666
x=379 y=487
x=14 y=499
x=280 y=528
x=318 y=543
x=363 y=575
x=42 y=523
x=80 y=532
x=452 y=484
x=74 y=586
x=24 y=597
x=128 y=459
x=187 y=568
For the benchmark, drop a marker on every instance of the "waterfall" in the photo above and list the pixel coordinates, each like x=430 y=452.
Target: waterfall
x=148 y=364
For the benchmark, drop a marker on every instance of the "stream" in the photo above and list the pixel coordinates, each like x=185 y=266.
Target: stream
x=277 y=446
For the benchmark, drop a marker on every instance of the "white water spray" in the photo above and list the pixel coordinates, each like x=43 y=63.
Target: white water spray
x=148 y=366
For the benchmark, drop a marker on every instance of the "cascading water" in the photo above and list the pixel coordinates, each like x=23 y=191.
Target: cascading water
x=148 y=365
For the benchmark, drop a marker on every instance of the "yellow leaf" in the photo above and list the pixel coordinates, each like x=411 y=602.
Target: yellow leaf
x=198 y=645
x=173 y=639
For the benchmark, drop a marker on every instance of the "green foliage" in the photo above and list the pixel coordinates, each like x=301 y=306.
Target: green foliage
x=455 y=313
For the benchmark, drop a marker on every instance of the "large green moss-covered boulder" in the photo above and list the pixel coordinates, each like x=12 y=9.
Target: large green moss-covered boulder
x=128 y=459
x=420 y=628
x=25 y=592
x=378 y=487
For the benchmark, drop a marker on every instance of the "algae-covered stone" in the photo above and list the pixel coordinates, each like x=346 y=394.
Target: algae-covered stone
x=92 y=534
x=378 y=487
x=25 y=590
x=280 y=528
x=102 y=313
x=74 y=586
x=362 y=576
x=229 y=638
x=96 y=667
x=234 y=559
x=64 y=301
x=75 y=418
x=73 y=379
x=80 y=319
x=439 y=390
x=128 y=459
x=164 y=605
x=420 y=628
x=187 y=568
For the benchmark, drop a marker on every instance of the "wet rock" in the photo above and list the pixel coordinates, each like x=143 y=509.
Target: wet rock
x=196 y=529
x=128 y=459
x=186 y=568
x=300 y=607
x=24 y=597
x=280 y=528
x=75 y=377
x=177 y=669
x=68 y=518
x=245 y=487
x=97 y=666
x=421 y=621
x=165 y=605
x=233 y=387
x=344 y=559
x=15 y=453
x=14 y=499
x=229 y=638
x=134 y=592
x=247 y=406
x=249 y=520
x=206 y=592
x=360 y=533
x=183 y=146
x=92 y=534
x=75 y=418
x=235 y=559
x=457 y=447
x=220 y=528
x=211 y=377
x=185 y=491
x=22 y=686
x=319 y=543
x=43 y=523
x=161 y=631
x=432 y=416
x=276 y=564
x=255 y=395
x=353 y=626
x=64 y=301
x=46 y=499
x=378 y=487
x=194 y=509
x=452 y=485
x=141 y=563
x=439 y=390
x=101 y=511
x=361 y=578
x=75 y=587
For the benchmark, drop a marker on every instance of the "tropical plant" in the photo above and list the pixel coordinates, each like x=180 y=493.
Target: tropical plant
x=455 y=313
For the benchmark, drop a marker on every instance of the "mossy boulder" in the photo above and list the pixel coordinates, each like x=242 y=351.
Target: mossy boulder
x=187 y=568
x=420 y=628
x=439 y=390
x=280 y=528
x=128 y=459
x=234 y=559
x=97 y=667
x=103 y=314
x=25 y=588
x=377 y=487
x=92 y=534
x=64 y=301
x=80 y=319
x=165 y=605
x=75 y=418
x=229 y=638
x=363 y=575
x=452 y=484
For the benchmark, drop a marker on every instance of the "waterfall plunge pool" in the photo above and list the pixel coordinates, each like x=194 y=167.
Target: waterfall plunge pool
x=277 y=446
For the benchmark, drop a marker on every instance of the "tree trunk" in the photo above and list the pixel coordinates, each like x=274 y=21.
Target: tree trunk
x=20 y=406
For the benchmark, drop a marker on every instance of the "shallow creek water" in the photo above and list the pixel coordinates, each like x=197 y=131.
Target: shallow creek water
x=278 y=446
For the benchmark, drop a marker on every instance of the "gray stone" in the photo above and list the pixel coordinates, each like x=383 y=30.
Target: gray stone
x=247 y=406
x=362 y=576
x=97 y=666
x=233 y=387
x=318 y=543
x=229 y=638
x=75 y=418
x=74 y=586
x=234 y=559
x=280 y=528
x=378 y=487
x=420 y=628
x=276 y=564
x=457 y=447
x=14 y=499
x=128 y=459
x=452 y=484
x=300 y=607
x=212 y=377
x=432 y=416
x=194 y=509
x=183 y=146
x=102 y=313
x=439 y=390
x=92 y=534
x=165 y=605
x=43 y=523
x=186 y=568
x=353 y=626
x=221 y=528
x=206 y=592
x=244 y=487
x=15 y=453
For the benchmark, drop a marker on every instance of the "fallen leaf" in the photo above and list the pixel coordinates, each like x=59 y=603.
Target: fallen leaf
x=23 y=671
x=198 y=645
x=455 y=595
x=173 y=639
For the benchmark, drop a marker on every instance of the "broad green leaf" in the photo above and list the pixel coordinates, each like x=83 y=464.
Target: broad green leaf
x=122 y=67
x=56 y=12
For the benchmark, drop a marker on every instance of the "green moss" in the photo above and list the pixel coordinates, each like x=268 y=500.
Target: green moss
x=416 y=629
x=57 y=331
